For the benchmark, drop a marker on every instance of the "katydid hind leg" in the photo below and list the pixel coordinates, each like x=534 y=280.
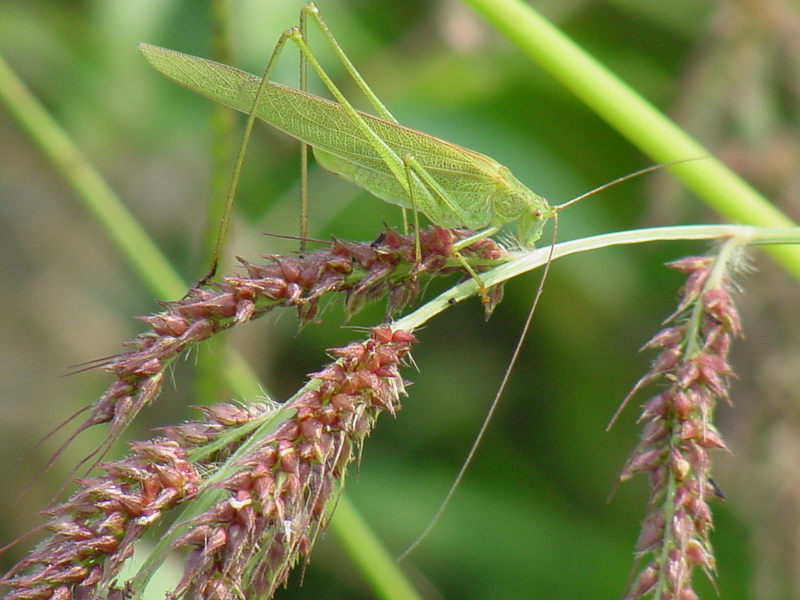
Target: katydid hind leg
x=435 y=191
x=395 y=163
x=309 y=9
x=414 y=208
x=304 y=149
x=428 y=184
x=251 y=118
x=389 y=157
x=312 y=10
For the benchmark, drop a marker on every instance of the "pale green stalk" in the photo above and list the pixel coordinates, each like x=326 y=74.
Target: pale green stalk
x=636 y=119
x=104 y=205
x=533 y=259
x=376 y=565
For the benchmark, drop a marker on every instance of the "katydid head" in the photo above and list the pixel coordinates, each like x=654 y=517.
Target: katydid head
x=512 y=201
x=531 y=223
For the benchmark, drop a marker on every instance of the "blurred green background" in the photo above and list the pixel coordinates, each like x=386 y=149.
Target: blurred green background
x=531 y=519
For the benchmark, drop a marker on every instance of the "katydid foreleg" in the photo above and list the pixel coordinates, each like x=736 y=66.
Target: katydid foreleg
x=312 y=10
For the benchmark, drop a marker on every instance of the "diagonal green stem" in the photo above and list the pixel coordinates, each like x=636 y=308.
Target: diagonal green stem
x=95 y=194
x=636 y=119
x=104 y=205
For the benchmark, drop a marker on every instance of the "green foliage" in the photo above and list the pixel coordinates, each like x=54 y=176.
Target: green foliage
x=530 y=519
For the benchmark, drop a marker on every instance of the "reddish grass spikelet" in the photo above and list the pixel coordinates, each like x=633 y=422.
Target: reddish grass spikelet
x=95 y=530
x=678 y=433
x=362 y=272
x=280 y=486
x=276 y=489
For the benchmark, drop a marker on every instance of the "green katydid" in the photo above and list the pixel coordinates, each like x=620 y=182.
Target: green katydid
x=451 y=185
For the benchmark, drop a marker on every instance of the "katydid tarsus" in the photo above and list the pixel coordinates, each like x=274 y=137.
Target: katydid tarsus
x=451 y=185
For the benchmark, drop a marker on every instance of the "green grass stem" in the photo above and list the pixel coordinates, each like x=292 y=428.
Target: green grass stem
x=636 y=119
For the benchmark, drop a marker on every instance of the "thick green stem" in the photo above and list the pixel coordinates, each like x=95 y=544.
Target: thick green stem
x=636 y=119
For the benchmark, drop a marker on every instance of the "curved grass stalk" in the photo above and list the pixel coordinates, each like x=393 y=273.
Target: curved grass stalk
x=533 y=259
